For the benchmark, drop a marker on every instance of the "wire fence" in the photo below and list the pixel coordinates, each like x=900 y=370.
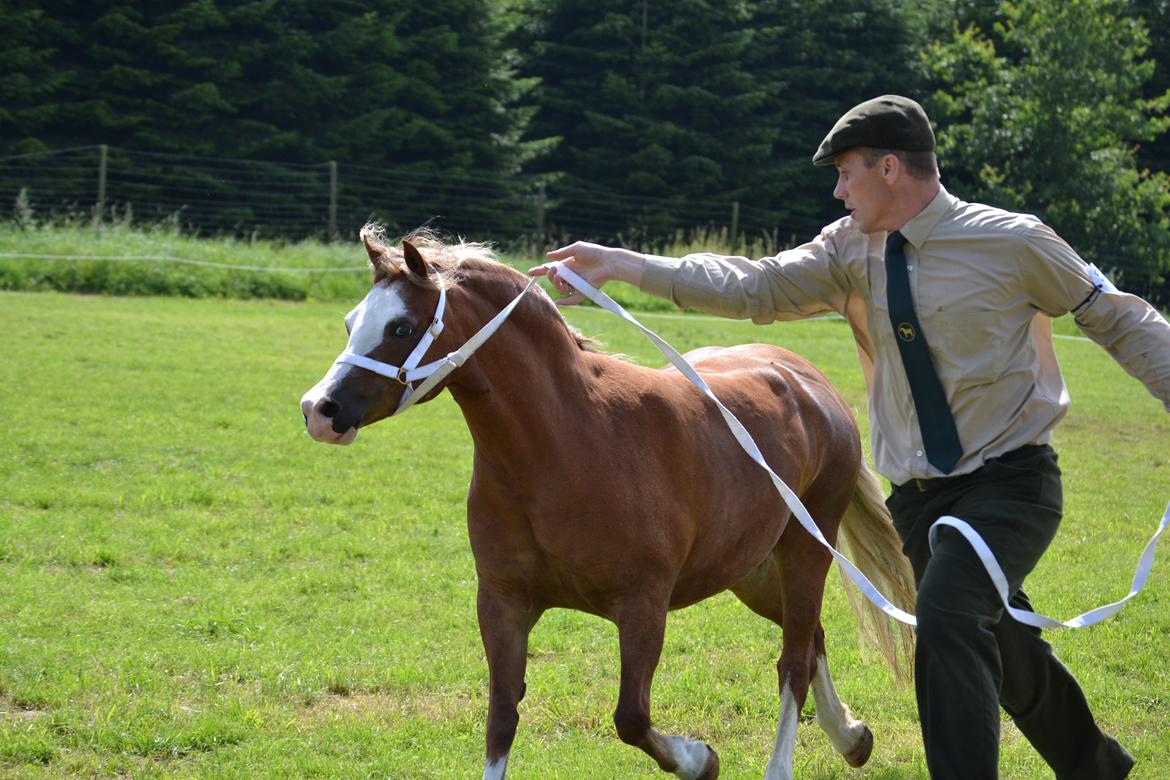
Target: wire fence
x=207 y=195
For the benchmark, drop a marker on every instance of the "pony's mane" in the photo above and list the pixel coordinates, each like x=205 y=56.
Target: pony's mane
x=442 y=256
x=586 y=344
x=445 y=259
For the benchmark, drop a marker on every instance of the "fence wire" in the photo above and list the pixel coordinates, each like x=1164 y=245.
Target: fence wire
x=207 y=195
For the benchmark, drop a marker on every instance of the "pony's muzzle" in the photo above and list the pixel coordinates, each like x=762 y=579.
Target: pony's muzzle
x=320 y=415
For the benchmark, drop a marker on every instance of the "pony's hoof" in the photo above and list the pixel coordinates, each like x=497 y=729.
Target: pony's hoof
x=860 y=754
x=711 y=768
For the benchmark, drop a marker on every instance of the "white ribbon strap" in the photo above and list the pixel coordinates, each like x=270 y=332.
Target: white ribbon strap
x=798 y=510
x=745 y=440
x=1145 y=563
x=401 y=373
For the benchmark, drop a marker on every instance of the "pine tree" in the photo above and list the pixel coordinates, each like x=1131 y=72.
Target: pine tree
x=649 y=101
x=667 y=113
x=424 y=86
x=30 y=78
x=429 y=89
x=822 y=57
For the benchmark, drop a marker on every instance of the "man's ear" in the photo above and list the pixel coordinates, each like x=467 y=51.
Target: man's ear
x=891 y=167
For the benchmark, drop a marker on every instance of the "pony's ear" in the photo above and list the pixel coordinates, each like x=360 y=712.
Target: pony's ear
x=372 y=249
x=414 y=259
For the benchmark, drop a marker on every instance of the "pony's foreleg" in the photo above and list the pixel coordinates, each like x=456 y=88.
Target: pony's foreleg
x=504 y=629
x=850 y=737
x=640 y=635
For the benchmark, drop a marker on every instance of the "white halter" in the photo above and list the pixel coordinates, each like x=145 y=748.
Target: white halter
x=435 y=371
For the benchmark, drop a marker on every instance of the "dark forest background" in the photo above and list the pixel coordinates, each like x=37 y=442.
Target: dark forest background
x=614 y=120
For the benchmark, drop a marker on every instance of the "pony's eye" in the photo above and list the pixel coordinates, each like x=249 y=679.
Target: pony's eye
x=403 y=331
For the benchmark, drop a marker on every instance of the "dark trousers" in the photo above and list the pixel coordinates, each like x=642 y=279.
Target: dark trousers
x=972 y=657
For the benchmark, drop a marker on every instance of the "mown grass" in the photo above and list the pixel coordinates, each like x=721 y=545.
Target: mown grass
x=189 y=587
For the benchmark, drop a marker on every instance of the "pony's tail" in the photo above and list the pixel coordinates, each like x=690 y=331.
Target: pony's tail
x=873 y=545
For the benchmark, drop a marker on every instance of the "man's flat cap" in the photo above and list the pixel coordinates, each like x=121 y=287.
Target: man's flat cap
x=887 y=122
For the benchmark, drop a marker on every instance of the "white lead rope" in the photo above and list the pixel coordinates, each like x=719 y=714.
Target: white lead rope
x=801 y=513
x=1145 y=563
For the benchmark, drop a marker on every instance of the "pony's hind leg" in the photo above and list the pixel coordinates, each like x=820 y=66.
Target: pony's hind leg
x=764 y=591
x=803 y=659
x=640 y=636
x=850 y=737
x=803 y=566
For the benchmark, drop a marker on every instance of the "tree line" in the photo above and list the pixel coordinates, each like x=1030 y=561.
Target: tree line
x=630 y=109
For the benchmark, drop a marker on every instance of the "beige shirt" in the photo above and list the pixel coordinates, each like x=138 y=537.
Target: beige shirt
x=985 y=283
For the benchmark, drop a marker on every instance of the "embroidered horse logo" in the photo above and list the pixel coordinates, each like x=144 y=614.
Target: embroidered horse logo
x=906 y=331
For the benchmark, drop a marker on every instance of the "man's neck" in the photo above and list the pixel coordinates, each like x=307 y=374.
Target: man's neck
x=916 y=198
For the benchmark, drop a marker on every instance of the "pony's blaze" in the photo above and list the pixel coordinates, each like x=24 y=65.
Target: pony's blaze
x=333 y=415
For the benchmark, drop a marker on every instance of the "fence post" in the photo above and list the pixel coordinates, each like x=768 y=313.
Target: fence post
x=103 y=163
x=734 y=224
x=333 y=200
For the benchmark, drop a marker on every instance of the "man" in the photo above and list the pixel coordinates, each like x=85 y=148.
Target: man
x=950 y=306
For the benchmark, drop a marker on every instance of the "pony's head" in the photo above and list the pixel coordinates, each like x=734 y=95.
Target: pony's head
x=391 y=332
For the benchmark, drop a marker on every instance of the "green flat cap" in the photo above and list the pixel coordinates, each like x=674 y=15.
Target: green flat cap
x=886 y=122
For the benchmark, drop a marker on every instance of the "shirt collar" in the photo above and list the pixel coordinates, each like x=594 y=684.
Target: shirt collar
x=922 y=224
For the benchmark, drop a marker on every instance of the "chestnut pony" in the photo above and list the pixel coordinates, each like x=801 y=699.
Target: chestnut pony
x=618 y=490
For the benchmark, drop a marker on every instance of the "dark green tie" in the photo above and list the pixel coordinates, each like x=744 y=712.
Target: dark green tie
x=943 y=449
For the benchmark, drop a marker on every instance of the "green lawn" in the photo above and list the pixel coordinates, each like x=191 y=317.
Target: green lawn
x=190 y=587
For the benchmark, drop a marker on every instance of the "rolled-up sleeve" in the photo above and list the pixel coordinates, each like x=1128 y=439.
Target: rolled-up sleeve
x=802 y=282
x=1126 y=326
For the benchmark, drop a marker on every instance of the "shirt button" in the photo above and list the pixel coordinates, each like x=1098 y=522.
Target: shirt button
x=918 y=453
x=909 y=268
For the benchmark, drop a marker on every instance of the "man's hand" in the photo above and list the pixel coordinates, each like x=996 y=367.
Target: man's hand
x=595 y=264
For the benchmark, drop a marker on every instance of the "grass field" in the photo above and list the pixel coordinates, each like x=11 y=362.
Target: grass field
x=190 y=587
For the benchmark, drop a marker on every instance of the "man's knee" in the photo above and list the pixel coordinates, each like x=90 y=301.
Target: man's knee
x=946 y=617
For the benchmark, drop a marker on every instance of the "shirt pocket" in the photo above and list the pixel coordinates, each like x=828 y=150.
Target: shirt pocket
x=966 y=344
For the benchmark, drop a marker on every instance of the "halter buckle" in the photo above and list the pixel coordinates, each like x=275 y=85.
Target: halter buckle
x=402 y=377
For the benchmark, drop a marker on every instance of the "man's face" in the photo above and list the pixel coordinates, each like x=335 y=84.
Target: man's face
x=865 y=191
